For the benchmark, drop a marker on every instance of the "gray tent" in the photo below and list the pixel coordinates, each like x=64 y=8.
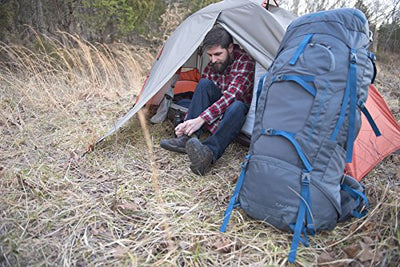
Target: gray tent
x=255 y=29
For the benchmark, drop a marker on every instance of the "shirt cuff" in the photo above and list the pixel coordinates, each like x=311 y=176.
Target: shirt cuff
x=206 y=116
x=209 y=117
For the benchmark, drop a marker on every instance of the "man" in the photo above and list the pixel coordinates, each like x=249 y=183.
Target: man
x=219 y=104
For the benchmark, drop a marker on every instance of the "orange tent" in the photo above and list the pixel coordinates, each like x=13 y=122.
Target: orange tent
x=369 y=150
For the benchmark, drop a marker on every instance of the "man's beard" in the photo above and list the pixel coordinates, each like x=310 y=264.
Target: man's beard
x=220 y=67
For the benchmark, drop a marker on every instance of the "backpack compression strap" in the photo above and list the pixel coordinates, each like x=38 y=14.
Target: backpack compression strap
x=304 y=223
x=358 y=196
x=351 y=95
x=371 y=121
x=301 y=48
x=233 y=201
x=301 y=80
x=260 y=86
x=304 y=214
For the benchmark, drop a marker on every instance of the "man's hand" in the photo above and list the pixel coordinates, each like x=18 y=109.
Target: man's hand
x=189 y=127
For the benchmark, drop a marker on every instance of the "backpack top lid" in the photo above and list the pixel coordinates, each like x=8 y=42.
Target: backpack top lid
x=347 y=24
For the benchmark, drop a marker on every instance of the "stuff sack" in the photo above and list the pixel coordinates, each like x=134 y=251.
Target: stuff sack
x=178 y=96
x=307 y=118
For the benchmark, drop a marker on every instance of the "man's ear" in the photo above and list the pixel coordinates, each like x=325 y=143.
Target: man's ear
x=230 y=48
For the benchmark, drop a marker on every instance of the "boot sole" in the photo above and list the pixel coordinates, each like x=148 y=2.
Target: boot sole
x=197 y=157
x=173 y=148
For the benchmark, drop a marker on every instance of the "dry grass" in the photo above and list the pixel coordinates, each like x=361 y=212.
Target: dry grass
x=129 y=202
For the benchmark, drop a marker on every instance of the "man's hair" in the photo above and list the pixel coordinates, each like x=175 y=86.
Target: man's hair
x=217 y=36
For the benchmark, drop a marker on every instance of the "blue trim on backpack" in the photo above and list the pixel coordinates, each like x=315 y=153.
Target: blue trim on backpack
x=315 y=118
x=358 y=196
x=304 y=213
x=259 y=88
x=349 y=95
x=342 y=112
x=371 y=121
x=353 y=105
x=290 y=137
x=303 y=239
x=359 y=15
x=372 y=57
x=300 y=48
x=233 y=201
x=304 y=223
x=299 y=79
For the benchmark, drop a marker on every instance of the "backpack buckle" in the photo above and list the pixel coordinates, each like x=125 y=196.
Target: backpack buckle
x=372 y=56
x=360 y=103
x=353 y=57
x=245 y=161
x=269 y=131
x=305 y=178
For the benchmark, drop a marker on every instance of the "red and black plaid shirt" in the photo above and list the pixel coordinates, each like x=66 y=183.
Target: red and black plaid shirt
x=236 y=83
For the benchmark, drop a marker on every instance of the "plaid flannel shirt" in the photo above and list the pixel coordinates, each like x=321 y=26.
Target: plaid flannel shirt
x=235 y=83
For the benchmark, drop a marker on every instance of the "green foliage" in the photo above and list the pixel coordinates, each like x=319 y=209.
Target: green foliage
x=153 y=18
x=195 y=5
x=109 y=20
x=118 y=18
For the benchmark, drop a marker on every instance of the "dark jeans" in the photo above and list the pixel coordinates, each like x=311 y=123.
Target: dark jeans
x=205 y=95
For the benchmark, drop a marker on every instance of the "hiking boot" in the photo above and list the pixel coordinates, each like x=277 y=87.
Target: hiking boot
x=200 y=156
x=175 y=144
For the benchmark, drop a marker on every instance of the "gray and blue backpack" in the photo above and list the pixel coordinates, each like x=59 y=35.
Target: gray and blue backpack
x=307 y=118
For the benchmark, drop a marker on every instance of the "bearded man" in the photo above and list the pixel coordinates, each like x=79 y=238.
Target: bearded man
x=219 y=104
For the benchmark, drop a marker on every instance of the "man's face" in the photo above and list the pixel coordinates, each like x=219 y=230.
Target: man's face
x=220 y=57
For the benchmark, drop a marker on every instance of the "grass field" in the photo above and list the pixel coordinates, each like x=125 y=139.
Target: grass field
x=129 y=202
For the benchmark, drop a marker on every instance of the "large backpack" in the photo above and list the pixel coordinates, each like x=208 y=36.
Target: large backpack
x=307 y=118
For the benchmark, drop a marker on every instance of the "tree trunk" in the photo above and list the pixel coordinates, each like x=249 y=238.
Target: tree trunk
x=39 y=17
x=296 y=7
x=376 y=41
